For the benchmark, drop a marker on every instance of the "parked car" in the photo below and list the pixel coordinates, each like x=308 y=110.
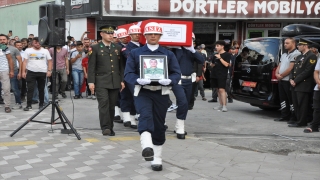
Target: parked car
x=254 y=79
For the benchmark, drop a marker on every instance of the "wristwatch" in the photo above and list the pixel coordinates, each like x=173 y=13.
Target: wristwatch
x=49 y=70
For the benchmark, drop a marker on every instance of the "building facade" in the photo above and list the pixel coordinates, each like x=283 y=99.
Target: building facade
x=213 y=19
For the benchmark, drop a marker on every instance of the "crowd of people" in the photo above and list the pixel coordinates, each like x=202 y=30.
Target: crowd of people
x=130 y=79
x=298 y=76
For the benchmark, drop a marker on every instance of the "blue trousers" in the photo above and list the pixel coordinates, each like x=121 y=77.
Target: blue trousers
x=77 y=81
x=15 y=87
x=183 y=93
x=126 y=101
x=152 y=106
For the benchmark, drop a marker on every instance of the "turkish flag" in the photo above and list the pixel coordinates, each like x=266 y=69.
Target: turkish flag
x=174 y=33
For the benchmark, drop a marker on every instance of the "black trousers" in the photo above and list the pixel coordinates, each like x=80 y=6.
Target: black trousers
x=31 y=79
x=316 y=111
x=302 y=106
x=192 y=99
x=286 y=101
x=107 y=99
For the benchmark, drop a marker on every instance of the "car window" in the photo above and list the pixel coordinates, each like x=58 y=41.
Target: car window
x=262 y=51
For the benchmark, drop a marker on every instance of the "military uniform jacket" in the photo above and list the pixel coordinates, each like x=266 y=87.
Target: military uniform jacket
x=187 y=61
x=105 y=68
x=132 y=71
x=302 y=72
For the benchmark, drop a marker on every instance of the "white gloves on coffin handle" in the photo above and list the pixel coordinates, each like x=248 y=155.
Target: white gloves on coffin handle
x=143 y=81
x=165 y=82
x=191 y=49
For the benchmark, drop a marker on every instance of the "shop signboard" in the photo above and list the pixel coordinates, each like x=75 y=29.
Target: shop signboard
x=217 y=9
x=82 y=8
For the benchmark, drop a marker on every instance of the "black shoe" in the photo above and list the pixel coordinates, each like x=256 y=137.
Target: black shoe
x=35 y=102
x=1 y=102
x=112 y=133
x=127 y=124
x=230 y=100
x=190 y=108
x=292 y=122
x=212 y=100
x=64 y=95
x=166 y=126
x=147 y=153
x=76 y=97
x=28 y=108
x=296 y=125
x=156 y=167
x=281 y=119
x=106 y=132
x=181 y=136
x=185 y=132
x=40 y=106
x=134 y=126
x=117 y=118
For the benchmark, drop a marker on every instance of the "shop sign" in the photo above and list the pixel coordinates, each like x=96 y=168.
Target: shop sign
x=264 y=25
x=237 y=9
x=82 y=8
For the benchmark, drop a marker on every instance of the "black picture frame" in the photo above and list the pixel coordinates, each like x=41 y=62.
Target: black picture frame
x=157 y=73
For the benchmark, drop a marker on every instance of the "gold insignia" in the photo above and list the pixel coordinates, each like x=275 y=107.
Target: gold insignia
x=312 y=61
x=107 y=29
x=116 y=51
x=101 y=50
x=90 y=52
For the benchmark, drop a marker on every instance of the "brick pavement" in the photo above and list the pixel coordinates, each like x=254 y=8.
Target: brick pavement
x=35 y=153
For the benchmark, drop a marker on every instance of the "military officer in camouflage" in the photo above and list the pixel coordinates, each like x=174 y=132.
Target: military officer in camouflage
x=153 y=68
x=302 y=84
x=105 y=77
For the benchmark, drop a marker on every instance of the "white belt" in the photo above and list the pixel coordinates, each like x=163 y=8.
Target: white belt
x=186 y=77
x=152 y=88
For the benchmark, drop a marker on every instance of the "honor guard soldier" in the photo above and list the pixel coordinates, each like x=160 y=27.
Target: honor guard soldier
x=302 y=83
x=186 y=57
x=122 y=37
x=152 y=101
x=105 y=77
x=126 y=102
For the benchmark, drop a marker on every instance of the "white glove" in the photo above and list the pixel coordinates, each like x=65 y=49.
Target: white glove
x=143 y=81
x=165 y=82
x=191 y=49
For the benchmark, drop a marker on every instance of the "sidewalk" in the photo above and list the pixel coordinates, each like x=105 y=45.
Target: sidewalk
x=36 y=154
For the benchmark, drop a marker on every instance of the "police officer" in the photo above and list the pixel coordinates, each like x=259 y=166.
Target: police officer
x=186 y=57
x=302 y=83
x=126 y=102
x=152 y=101
x=105 y=77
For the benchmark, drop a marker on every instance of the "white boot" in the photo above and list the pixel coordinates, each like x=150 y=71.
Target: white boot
x=180 y=129
x=180 y=126
x=147 y=146
x=116 y=111
x=126 y=119
x=156 y=164
x=133 y=122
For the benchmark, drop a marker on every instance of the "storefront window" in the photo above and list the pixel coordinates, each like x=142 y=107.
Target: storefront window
x=204 y=27
x=273 y=33
x=227 y=25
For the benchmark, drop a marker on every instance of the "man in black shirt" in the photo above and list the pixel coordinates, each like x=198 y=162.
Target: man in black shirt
x=219 y=75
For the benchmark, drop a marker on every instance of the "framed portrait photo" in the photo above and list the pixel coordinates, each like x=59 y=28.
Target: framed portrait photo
x=153 y=67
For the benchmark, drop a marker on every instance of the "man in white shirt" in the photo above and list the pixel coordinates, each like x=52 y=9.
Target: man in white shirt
x=282 y=73
x=6 y=70
x=37 y=65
